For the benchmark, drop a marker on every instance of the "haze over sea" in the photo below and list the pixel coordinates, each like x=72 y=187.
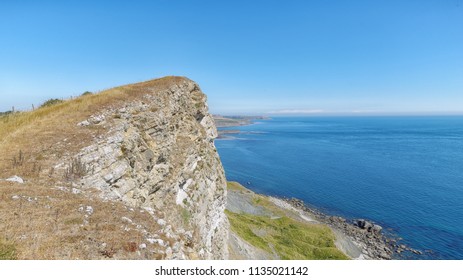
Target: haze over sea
x=405 y=173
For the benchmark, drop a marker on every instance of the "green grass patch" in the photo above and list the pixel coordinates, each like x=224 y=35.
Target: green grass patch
x=261 y=200
x=235 y=186
x=73 y=221
x=186 y=216
x=7 y=250
x=290 y=239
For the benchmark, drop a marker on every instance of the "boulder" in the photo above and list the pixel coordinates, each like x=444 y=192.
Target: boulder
x=364 y=224
x=360 y=223
x=377 y=228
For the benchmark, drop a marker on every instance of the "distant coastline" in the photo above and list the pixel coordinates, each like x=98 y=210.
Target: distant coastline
x=222 y=122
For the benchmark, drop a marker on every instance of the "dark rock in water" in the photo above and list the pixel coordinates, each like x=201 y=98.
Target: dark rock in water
x=360 y=223
x=369 y=226
x=363 y=224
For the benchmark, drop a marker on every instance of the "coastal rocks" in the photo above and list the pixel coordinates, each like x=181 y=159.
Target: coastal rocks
x=402 y=249
x=297 y=203
x=377 y=228
x=416 y=252
x=368 y=226
x=365 y=234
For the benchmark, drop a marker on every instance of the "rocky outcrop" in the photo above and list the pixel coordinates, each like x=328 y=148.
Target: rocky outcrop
x=368 y=226
x=365 y=235
x=159 y=154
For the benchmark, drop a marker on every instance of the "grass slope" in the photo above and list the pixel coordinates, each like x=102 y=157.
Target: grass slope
x=283 y=235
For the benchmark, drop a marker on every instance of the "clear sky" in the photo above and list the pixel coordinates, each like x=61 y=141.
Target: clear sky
x=249 y=57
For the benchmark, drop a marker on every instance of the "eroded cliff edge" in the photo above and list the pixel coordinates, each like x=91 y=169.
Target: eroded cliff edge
x=131 y=172
x=159 y=154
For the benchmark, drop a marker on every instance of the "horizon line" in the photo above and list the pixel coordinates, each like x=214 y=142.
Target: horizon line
x=346 y=114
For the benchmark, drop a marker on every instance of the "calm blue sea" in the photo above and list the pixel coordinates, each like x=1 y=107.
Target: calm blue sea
x=405 y=173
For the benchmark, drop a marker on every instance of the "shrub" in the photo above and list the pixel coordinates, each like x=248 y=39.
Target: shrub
x=87 y=93
x=51 y=102
x=6 y=113
x=18 y=161
x=76 y=169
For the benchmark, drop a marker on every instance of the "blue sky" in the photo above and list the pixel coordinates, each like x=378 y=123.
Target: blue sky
x=249 y=57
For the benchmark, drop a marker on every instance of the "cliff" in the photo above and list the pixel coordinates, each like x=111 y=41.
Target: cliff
x=147 y=146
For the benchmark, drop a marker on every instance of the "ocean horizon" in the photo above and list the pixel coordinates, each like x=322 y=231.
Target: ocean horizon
x=404 y=173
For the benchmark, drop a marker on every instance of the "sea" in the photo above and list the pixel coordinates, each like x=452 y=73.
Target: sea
x=404 y=173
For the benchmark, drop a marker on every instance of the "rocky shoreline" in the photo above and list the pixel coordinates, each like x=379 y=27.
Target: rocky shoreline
x=368 y=236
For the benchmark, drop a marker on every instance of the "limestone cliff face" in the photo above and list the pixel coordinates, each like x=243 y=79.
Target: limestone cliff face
x=159 y=154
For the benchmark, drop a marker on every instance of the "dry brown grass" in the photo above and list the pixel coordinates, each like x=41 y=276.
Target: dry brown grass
x=38 y=221
x=45 y=223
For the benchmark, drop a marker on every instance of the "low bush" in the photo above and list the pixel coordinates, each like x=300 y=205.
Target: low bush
x=51 y=102
x=6 y=113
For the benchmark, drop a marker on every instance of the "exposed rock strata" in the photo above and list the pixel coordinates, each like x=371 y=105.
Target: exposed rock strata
x=160 y=154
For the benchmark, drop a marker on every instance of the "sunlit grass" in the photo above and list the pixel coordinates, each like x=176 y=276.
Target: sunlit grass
x=282 y=233
x=289 y=239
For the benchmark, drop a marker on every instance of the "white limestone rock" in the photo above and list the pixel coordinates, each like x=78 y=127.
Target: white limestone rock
x=15 y=179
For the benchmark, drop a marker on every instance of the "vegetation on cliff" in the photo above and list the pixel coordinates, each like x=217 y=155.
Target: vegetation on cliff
x=277 y=230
